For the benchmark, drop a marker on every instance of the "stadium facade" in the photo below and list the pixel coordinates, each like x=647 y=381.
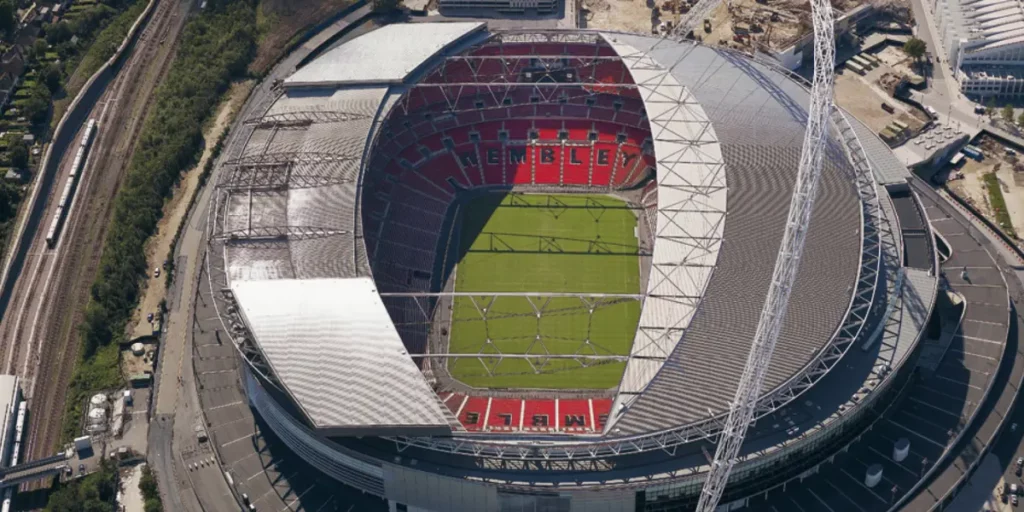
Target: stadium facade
x=983 y=40
x=330 y=258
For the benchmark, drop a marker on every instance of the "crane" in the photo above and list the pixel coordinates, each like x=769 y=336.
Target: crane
x=741 y=410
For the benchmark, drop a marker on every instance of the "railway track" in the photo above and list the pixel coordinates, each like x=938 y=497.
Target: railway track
x=38 y=336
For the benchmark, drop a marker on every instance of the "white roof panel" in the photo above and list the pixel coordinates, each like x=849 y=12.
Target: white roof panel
x=691 y=210
x=385 y=55
x=332 y=344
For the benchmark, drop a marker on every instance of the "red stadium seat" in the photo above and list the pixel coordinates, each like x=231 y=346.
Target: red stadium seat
x=578 y=130
x=473 y=413
x=492 y=159
x=576 y=164
x=518 y=163
x=459 y=135
x=539 y=415
x=627 y=118
x=574 y=416
x=627 y=160
x=432 y=142
x=505 y=415
x=603 y=160
x=468 y=158
x=443 y=171
x=606 y=132
x=547 y=130
x=601 y=407
x=547 y=163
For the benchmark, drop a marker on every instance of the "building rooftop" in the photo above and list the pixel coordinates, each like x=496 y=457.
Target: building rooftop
x=386 y=55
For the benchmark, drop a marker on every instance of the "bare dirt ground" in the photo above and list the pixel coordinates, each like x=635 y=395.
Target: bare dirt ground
x=281 y=20
x=628 y=15
x=158 y=248
x=971 y=187
x=46 y=359
x=864 y=100
x=898 y=61
x=131 y=495
x=775 y=23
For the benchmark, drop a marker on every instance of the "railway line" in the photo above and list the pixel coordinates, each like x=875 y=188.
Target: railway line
x=39 y=329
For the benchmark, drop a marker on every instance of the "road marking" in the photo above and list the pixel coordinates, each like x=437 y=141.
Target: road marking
x=918 y=434
x=247 y=436
x=937 y=408
x=225 y=405
x=288 y=506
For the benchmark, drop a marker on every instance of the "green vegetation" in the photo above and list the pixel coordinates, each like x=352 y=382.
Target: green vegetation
x=108 y=40
x=150 y=493
x=998 y=203
x=1007 y=113
x=915 y=49
x=93 y=493
x=541 y=243
x=216 y=46
x=384 y=6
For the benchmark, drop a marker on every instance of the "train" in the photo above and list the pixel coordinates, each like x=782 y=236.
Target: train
x=19 y=429
x=74 y=177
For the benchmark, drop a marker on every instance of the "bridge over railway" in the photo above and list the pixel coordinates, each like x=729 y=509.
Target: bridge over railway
x=34 y=470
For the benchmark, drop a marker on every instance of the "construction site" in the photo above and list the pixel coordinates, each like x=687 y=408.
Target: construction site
x=778 y=28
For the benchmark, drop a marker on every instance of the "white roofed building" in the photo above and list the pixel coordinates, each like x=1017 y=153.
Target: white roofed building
x=984 y=40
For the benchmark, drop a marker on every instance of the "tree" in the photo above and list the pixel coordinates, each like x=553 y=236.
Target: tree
x=58 y=33
x=52 y=77
x=1007 y=113
x=39 y=48
x=8 y=22
x=19 y=156
x=1020 y=119
x=990 y=107
x=153 y=506
x=385 y=6
x=915 y=48
x=37 y=106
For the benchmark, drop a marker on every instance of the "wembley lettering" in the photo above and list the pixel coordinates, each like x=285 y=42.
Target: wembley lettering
x=544 y=155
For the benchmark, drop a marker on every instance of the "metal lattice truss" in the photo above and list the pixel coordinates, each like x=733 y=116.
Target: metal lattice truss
x=690 y=215
x=500 y=92
x=744 y=404
x=282 y=233
x=284 y=170
x=298 y=119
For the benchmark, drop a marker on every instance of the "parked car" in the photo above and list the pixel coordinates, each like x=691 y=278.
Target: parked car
x=156 y=272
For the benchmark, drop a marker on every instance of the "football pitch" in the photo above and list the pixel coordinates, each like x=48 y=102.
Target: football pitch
x=545 y=243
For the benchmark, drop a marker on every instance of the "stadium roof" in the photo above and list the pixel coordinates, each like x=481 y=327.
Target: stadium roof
x=332 y=344
x=385 y=55
x=758 y=116
x=715 y=111
x=691 y=211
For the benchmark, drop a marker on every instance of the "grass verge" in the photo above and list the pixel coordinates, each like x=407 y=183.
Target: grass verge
x=545 y=243
x=998 y=203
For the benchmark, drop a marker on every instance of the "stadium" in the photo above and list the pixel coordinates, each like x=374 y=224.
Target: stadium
x=525 y=267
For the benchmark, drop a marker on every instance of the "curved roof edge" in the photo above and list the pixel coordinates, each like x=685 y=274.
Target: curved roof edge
x=332 y=344
x=691 y=214
x=383 y=56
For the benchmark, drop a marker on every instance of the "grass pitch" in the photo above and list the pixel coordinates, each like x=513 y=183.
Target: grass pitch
x=545 y=243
